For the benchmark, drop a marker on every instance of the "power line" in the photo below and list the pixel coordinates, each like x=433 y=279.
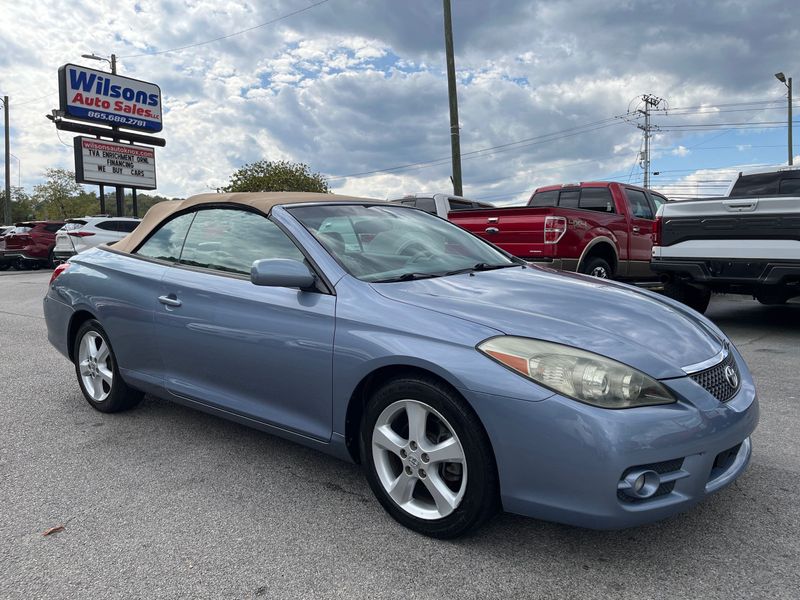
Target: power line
x=230 y=35
x=490 y=150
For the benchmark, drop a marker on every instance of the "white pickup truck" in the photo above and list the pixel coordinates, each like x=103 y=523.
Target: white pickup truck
x=440 y=204
x=747 y=242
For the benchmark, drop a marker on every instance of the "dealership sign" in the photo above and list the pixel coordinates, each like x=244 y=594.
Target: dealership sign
x=90 y=95
x=110 y=163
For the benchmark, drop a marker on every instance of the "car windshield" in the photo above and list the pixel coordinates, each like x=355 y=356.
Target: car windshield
x=379 y=243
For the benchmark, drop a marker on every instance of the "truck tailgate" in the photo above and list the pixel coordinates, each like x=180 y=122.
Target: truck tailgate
x=762 y=218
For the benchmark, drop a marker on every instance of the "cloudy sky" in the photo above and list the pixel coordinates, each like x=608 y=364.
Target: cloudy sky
x=548 y=91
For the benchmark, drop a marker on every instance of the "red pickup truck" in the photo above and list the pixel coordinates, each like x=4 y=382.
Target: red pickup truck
x=601 y=228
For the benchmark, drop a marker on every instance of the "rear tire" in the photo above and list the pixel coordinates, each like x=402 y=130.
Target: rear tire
x=52 y=263
x=693 y=297
x=406 y=427
x=597 y=267
x=97 y=371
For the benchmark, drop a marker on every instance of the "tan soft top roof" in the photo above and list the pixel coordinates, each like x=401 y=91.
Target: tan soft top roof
x=262 y=201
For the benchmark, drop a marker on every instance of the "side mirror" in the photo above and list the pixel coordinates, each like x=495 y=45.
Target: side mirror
x=281 y=272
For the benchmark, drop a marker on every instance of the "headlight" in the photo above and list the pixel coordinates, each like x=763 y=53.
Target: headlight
x=581 y=375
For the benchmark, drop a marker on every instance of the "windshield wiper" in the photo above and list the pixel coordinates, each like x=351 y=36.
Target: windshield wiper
x=482 y=267
x=407 y=277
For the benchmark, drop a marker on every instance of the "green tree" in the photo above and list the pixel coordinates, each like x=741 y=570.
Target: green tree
x=21 y=205
x=276 y=176
x=61 y=197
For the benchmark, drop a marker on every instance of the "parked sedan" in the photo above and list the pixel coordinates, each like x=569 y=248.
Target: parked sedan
x=461 y=378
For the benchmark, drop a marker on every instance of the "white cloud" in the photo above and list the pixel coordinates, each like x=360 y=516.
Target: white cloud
x=356 y=86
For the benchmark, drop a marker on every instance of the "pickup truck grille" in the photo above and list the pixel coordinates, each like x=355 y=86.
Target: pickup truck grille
x=717 y=382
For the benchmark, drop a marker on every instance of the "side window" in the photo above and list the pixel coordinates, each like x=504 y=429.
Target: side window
x=760 y=184
x=790 y=186
x=569 y=198
x=544 y=199
x=53 y=227
x=231 y=240
x=640 y=207
x=127 y=226
x=460 y=204
x=658 y=200
x=107 y=225
x=167 y=241
x=427 y=204
x=598 y=199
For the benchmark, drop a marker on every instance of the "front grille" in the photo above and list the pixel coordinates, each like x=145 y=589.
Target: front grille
x=667 y=466
x=715 y=381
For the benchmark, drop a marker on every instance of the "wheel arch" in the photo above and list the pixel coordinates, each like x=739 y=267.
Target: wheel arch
x=372 y=381
x=78 y=318
x=602 y=246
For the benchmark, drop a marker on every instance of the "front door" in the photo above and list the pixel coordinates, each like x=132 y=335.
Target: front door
x=641 y=233
x=261 y=352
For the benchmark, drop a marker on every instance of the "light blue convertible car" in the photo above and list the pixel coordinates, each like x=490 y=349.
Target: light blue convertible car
x=462 y=379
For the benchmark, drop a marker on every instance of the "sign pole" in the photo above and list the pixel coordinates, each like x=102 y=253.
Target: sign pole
x=120 y=189
x=102 y=199
x=135 y=204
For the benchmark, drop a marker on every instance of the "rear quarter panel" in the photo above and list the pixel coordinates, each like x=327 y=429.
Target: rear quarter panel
x=121 y=292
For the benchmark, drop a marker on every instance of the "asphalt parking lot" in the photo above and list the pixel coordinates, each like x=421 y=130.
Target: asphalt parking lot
x=166 y=502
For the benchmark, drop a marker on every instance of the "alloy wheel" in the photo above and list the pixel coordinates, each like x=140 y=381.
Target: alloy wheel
x=419 y=459
x=94 y=361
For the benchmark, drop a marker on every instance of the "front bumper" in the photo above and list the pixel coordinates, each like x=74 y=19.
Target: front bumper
x=563 y=461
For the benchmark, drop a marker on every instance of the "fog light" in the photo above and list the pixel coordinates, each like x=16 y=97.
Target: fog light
x=640 y=484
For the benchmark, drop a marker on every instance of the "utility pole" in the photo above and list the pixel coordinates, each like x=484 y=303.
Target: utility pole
x=791 y=151
x=8 y=219
x=455 y=143
x=650 y=101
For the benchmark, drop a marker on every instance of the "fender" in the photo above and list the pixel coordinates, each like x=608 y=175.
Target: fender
x=601 y=239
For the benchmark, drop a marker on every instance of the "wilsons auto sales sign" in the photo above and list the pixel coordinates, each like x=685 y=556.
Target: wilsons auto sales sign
x=90 y=95
x=111 y=163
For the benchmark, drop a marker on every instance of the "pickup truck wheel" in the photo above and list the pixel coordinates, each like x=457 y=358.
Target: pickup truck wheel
x=693 y=297
x=597 y=267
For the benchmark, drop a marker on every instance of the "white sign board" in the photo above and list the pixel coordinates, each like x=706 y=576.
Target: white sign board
x=91 y=95
x=110 y=163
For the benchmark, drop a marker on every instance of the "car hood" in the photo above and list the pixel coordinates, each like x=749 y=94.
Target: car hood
x=630 y=325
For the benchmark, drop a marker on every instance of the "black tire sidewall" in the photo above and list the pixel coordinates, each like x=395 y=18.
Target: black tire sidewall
x=480 y=497
x=594 y=262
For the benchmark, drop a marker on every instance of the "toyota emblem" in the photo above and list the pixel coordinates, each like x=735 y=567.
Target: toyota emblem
x=731 y=377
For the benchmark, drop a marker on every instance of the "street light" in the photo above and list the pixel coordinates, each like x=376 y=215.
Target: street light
x=787 y=81
x=112 y=61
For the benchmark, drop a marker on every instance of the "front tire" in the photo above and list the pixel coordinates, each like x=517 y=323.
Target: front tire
x=97 y=371
x=427 y=458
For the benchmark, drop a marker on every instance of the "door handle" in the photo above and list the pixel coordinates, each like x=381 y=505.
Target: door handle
x=635 y=229
x=170 y=300
x=492 y=230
